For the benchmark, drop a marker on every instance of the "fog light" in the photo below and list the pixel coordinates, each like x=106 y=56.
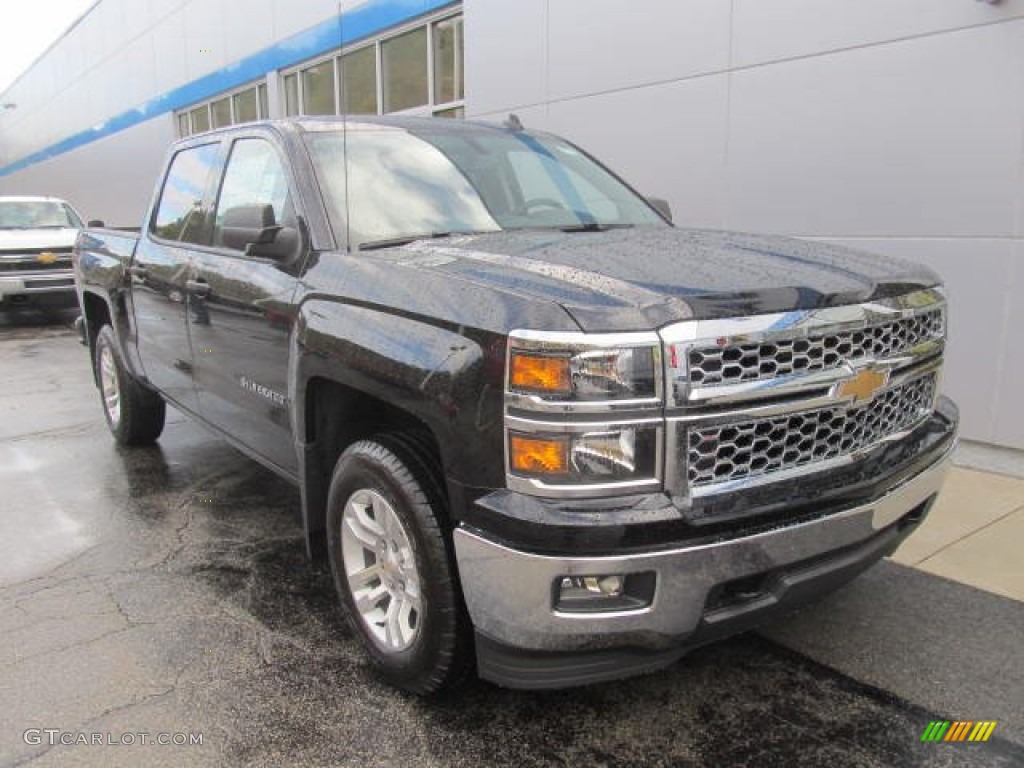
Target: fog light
x=600 y=593
x=608 y=586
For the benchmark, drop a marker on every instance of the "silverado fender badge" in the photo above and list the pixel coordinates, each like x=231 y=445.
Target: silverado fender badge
x=863 y=387
x=258 y=389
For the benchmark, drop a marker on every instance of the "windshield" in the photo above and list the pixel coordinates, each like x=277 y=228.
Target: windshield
x=37 y=214
x=404 y=184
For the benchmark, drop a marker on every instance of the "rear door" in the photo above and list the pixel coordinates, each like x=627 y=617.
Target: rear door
x=240 y=333
x=162 y=269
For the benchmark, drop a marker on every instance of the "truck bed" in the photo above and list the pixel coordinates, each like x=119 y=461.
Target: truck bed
x=101 y=256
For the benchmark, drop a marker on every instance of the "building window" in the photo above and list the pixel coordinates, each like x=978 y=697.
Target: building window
x=241 y=106
x=291 y=95
x=247 y=106
x=453 y=112
x=416 y=68
x=200 y=119
x=404 y=70
x=221 y=110
x=448 y=50
x=318 y=89
x=264 y=104
x=359 y=81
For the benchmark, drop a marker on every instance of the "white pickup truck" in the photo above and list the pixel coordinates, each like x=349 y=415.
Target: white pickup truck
x=36 y=236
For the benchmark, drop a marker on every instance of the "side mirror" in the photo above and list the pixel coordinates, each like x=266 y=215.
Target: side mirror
x=95 y=224
x=245 y=224
x=253 y=230
x=661 y=206
x=278 y=243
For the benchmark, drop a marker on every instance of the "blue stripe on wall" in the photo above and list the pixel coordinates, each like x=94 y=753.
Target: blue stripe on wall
x=369 y=19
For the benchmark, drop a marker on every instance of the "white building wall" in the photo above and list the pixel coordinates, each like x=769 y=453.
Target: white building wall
x=891 y=125
x=111 y=179
x=123 y=56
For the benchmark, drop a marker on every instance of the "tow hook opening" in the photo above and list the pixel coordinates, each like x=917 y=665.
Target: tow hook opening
x=80 y=329
x=738 y=592
x=917 y=514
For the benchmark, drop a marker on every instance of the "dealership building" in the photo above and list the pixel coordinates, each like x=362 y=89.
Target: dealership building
x=895 y=126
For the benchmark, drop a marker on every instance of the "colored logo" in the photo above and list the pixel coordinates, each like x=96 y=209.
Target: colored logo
x=864 y=385
x=46 y=257
x=958 y=730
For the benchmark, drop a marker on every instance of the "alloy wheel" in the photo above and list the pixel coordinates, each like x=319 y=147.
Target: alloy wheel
x=380 y=567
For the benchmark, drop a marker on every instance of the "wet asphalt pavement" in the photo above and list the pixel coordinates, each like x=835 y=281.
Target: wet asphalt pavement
x=167 y=591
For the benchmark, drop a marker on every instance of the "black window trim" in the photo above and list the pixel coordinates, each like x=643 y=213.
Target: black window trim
x=309 y=204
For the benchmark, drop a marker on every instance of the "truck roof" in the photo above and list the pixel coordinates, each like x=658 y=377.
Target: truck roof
x=30 y=199
x=313 y=124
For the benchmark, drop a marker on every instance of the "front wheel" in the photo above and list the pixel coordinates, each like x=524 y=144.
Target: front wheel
x=135 y=415
x=391 y=565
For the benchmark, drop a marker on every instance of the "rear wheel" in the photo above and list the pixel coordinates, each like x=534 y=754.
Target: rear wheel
x=135 y=415
x=392 y=566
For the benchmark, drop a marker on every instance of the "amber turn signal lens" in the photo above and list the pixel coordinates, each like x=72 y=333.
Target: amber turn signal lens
x=540 y=373
x=539 y=456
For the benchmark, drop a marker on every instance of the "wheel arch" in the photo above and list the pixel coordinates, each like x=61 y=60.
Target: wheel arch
x=358 y=372
x=99 y=309
x=96 y=311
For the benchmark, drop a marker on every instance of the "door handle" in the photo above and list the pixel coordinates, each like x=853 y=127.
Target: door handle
x=138 y=272
x=198 y=288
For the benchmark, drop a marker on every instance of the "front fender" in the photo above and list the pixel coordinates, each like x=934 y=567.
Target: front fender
x=447 y=377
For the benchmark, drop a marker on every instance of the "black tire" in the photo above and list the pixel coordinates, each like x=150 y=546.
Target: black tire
x=139 y=416
x=397 y=469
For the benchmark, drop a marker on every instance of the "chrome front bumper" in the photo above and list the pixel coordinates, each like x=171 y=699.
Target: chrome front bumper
x=510 y=594
x=51 y=281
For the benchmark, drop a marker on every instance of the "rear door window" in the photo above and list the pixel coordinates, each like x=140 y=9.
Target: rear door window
x=183 y=213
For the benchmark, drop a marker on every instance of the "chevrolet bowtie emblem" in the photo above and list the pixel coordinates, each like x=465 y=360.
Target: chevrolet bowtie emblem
x=864 y=385
x=46 y=258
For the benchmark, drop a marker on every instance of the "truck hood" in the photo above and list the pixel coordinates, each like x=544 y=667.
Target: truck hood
x=17 y=239
x=633 y=279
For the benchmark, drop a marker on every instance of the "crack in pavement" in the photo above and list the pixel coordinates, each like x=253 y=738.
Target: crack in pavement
x=81 y=727
x=73 y=430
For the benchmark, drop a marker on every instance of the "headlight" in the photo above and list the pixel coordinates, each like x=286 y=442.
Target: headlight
x=616 y=454
x=587 y=374
x=583 y=413
x=609 y=456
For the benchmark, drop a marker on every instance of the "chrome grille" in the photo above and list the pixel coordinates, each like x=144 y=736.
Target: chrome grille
x=31 y=265
x=721 y=453
x=34 y=251
x=711 y=365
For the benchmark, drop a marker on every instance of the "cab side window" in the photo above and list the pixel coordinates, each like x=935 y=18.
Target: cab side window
x=253 y=196
x=182 y=213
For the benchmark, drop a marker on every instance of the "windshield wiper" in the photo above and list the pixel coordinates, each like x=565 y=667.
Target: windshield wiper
x=394 y=242
x=594 y=226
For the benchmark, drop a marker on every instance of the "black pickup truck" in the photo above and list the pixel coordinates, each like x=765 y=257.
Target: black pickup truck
x=537 y=428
